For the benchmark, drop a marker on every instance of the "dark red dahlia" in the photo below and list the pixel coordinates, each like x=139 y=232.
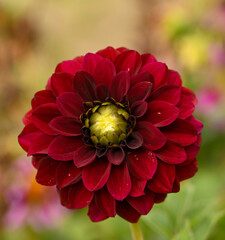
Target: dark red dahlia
x=113 y=131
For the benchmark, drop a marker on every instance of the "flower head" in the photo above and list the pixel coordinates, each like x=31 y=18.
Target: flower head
x=114 y=131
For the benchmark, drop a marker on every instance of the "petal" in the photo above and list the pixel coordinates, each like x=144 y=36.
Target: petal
x=116 y=155
x=163 y=179
x=134 y=140
x=84 y=84
x=129 y=61
x=46 y=171
x=139 y=108
x=142 y=204
x=181 y=131
x=90 y=61
x=96 y=174
x=43 y=114
x=139 y=91
x=105 y=202
x=62 y=148
x=70 y=105
x=84 y=156
x=171 y=153
x=160 y=197
x=152 y=136
x=142 y=164
x=61 y=82
x=119 y=183
x=120 y=86
x=187 y=171
x=176 y=185
x=69 y=66
x=173 y=78
x=147 y=58
x=64 y=197
x=161 y=113
x=141 y=77
x=67 y=174
x=196 y=123
x=138 y=187
x=104 y=72
x=66 y=126
x=191 y=151
x=95 y=213
x=79 y=196
x=42 y=97
x=127 y=212
x=27 y=118
x=109 y=53
x=158 y=70
x=101 y=92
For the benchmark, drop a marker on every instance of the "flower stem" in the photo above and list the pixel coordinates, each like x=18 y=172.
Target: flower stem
x=136 y=231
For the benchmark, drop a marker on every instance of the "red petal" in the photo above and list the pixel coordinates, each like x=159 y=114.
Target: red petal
x=147 y=58
x=43 y=114
x=160 y=197
x=142 y=164
x=61 y=82
x=134 y=140
x=119 y=183
x=141 y=77
x=138 y=187
x=109 y=53
x=127 y=212
x=139 y=108
x=129 y=61
x=62 y=148
x=69 y=66
x=42 y=97
x=176 y=185
x=192 y=152
x=139 y=91
x=66 y=126
x=79 y=196
x=46 y=171
x=116 y=155
x=84 y=156
x=171 y=153
x=163 y=179
x=187 y=171
x=105 y=202
x=120 y=86
x=70 y=105
x=152 y=136
x=173 y=78
x=101 y=92
x=95 y=213
x=142 y=204
x=181 y=131
x=64 y=197
x=84 y=84
x=90 y=61
x=67 y=174
x=96 y=174
x=161 y=113
x=196 y=123
x=27 y=118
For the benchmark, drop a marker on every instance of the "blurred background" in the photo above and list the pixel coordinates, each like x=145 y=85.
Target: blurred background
x=36 y=35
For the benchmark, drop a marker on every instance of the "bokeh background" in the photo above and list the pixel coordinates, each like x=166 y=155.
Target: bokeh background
x=36 y=35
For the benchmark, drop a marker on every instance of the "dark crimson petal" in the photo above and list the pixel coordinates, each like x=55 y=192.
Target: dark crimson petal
x=69 y=66
x=67 y=174
x=64 y=197
x=79 y=196
x=173 y=78
x=142 y=164
x=84 y=156
x=134 y=140
x=160 y=197
x=127 y=212
x=46 y=171
x=141 y=77
x=26 y=136
x=43 y=114
x=142 y=204
x=95 y=213
x=42 y=97
x=61 y=82
x=139 y=91
x=27 y=118
x=181 y=131
x=191 y=151
x=147 y=58
x=161 y=113
x=104 y=72
x=196 y=123
x=187 y=171
x=79 y=59
x=101 y=92
x=66 y=126
x=70 y=105
x=119 y=183
x=153 y=138
x=122 y=49
x=116 y=155
x=84 y=84
x=105 y=202
x=176 y=185
x=40 y=144
x=35 y=160
x=158 y=71
x=96 y=174
x=129 y=61
x=169 y=94
x=109 y=53
x=171 y=153
x=62 y=148
x=139 y=108
x=138 y=187
x=163 y=179
x=90 y=61
x=120 y=86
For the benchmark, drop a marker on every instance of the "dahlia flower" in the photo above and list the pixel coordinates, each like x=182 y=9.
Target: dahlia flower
x=113 y=131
